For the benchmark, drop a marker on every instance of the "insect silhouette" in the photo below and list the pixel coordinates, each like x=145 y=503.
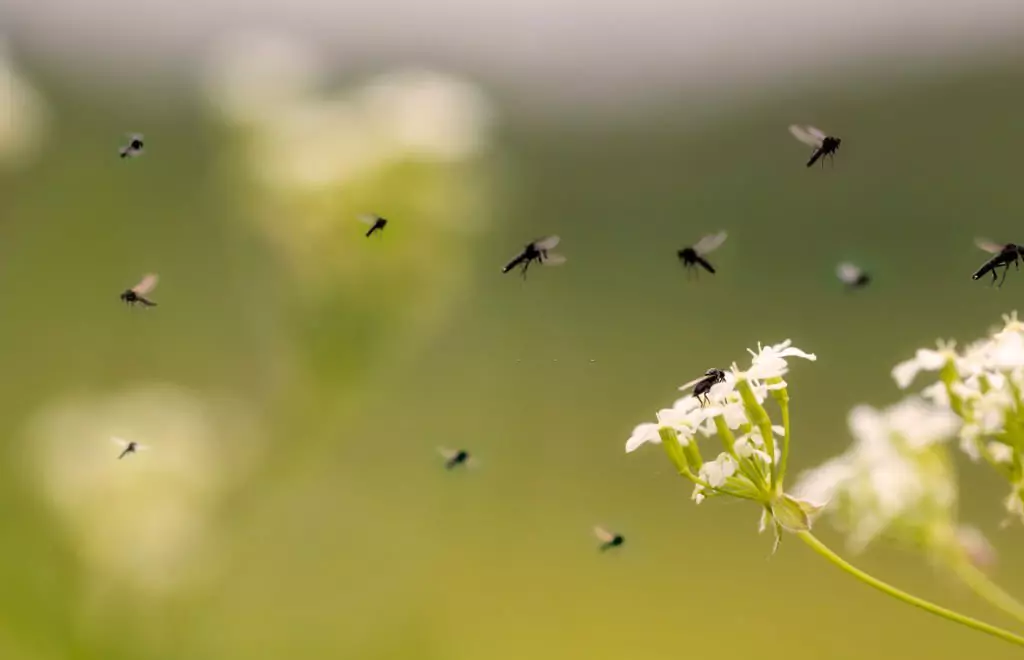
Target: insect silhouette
x=127 y=447
x=702 y=386
x=455 y=457
x=608 y=540
x=134 y=147
x=537 y=251
x=693 y=256
x=824 y=145
x=378 y=223
x=1004 y=255
x=137 y=294
x=852 y=275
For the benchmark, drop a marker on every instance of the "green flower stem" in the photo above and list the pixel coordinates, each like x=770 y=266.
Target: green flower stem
x=909 y=599
x=779 y=470
x=948 y=376
x=758 y=416
x=674 y=449
x=745 y=465
x=988 y=590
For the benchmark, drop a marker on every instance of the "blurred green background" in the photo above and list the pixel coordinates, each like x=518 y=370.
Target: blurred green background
x=339 y=533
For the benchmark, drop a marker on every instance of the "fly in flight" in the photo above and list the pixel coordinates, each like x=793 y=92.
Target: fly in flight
x=138 y=293
x=701 y=386
x=1004 y=255
x=537 y=251
x=134 y=147
x=852 y=275
x=691 y=257
x=456 y=457
x=824 y=145
x=377 y=223
x=608 y=540
x=127 y=447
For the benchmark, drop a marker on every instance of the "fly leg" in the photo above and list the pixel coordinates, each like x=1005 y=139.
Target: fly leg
x=1006 y=269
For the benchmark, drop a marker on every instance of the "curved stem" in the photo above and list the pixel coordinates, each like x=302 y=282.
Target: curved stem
x=988 y=590
x=909 y=599
x=780 y=473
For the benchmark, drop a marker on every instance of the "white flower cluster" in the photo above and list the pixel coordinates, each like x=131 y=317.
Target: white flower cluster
x=895 y=480
x=752 y=463
x=981 y=385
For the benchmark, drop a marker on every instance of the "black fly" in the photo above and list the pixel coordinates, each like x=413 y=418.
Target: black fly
x=608 y=539
x=536 y=251
x=137 y=294
x=702 y=386
x=455 y=457
x=377 y=223
x=824 y=145
x=1005 y=254
x=133 y=148
x=852 y=275
x=691 y=257
x=127 y=447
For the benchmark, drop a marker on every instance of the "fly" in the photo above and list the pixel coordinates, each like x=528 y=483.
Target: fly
x=537 y=251
x=1004 y=255
x=138 y=293
x=852 y=275
x=608 y=539
x=127 y=447
x=134 y=147
x=824 y=145
x=693 y=256
x=377 y=223
x=702 y=386
x=456 y=457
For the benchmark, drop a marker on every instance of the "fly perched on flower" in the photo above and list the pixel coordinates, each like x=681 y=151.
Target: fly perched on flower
x=138 y=293
x=127 y=447
x=693 y=256
x=824 y=145
x=852 y=275
x=1004 y=255
x=377 y=223
x=456 y=457
x=702 y=386
x=133 y=148
x=537 y=251
x=608 y=539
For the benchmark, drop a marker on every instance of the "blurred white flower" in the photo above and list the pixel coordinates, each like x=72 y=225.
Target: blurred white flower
x=24 y=114
x=770 y=361
x=146 y=522
x=925 y=359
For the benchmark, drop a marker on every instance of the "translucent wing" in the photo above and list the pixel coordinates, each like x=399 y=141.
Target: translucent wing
x=710 y=242
x=848 y=273
x=546 y=243
x=447 y=454
x=147 y=284
x=120 y=442
x=134 y=136
x=686 y=386
x=809 y=135
x=141 y=447
x=551 y=259
x=603 y=534
x=368 y=218
x=988 y=246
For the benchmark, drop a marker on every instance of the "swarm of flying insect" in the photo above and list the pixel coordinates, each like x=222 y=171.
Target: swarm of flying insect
x=608 y=539
x=127 y=447
x=134 y=147
x=852 y=275
x=456 y=457
x=537 y=251
x=702 y=386
x=824 y=145
x=137 y=294
x=694 y=256
x=376 y=223
x=1003 y=255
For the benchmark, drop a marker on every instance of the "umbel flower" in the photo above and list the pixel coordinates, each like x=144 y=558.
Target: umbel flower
x=981 y=385
x=751 y=464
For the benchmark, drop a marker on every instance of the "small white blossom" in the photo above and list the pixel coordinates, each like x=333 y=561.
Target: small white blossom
x=715 y=473
x=925 y=359
x=770 y=361
x=1000 y=453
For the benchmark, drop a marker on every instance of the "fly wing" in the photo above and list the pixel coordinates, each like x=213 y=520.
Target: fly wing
x=551 y=259
x=147 y=284
x=988 y=246
x=141 y=447
x=120 y=442
x=602 y=534
x=447 y=454
x=546 y=243
x=710 y=243
x=368 y=219
x=848 y=273
x=686 y=386
x=809 y=135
